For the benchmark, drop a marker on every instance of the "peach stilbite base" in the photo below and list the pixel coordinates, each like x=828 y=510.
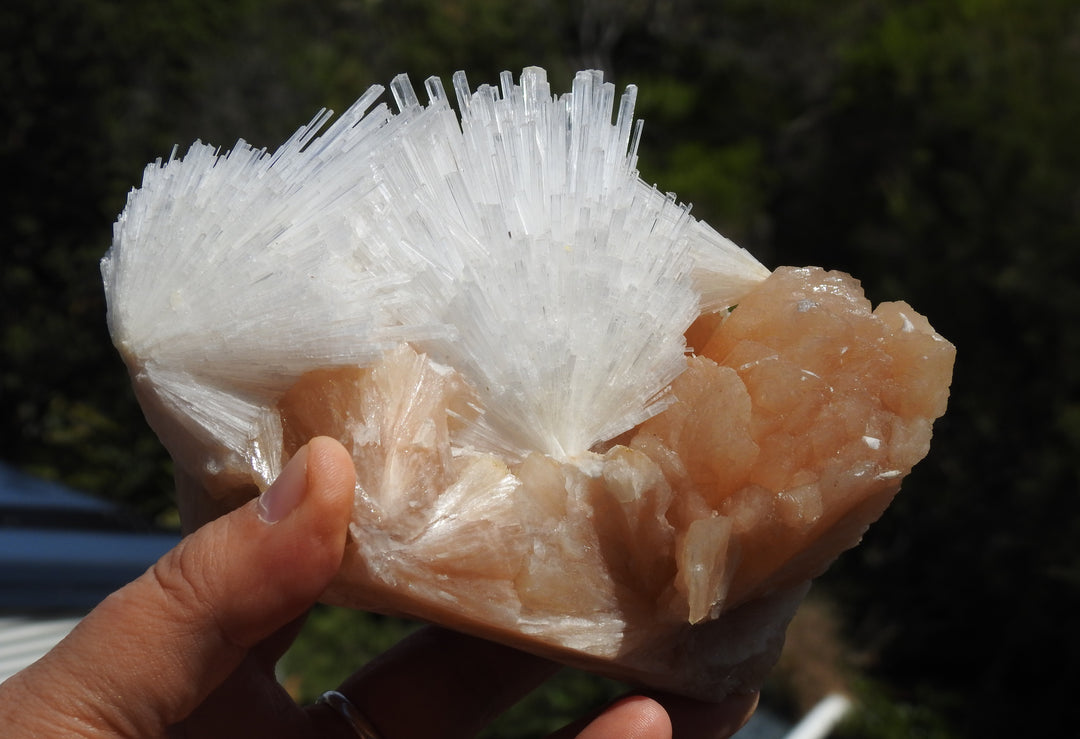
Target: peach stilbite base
x=673 y=556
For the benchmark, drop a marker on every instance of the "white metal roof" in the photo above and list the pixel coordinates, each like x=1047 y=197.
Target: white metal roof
x=24 y=639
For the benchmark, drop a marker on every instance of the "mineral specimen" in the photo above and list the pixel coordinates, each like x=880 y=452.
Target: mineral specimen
x=584 y=423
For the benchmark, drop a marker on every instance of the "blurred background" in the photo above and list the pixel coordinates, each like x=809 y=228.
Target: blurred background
x=929 y=147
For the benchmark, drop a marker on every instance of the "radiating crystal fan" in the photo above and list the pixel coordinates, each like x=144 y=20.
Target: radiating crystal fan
x=584 y=423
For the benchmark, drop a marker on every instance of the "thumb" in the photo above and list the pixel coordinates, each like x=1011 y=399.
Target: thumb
x=150 y=653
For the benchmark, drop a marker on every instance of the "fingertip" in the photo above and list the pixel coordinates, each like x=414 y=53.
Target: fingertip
x=634 y=717
x=647 y=718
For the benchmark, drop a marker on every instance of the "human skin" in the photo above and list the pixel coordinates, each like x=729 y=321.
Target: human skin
x=189 y=648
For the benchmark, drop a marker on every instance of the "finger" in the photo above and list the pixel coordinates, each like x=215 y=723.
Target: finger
x=634 y=717
x=152 y=651
x=664 y=716
x=439 y=683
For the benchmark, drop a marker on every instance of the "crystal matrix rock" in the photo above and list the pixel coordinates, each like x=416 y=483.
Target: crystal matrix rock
x=584 y=423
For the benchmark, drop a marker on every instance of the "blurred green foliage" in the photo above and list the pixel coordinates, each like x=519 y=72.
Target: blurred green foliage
x=929 y=147
x=881 y=714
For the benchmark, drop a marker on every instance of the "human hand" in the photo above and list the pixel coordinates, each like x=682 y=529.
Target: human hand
x=188 y=649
